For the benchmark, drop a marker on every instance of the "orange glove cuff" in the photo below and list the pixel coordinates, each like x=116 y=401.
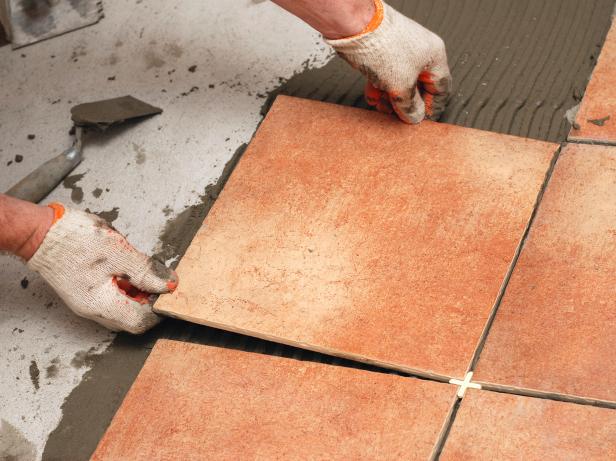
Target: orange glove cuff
x=58 y=211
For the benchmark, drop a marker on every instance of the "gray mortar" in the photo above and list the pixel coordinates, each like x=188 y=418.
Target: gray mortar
x=34 y=374
x=109 y=216
x=527 y=92
x=517 y=66
x=52 y=370
x=180 y=230
x=91 y=405
x=70 y=182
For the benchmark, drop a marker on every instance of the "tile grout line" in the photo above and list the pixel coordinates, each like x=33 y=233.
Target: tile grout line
x=514 y=261
x=545 y=395
x=514 y=390
x=445 y=429
x=592 y=142
x=463 y=384
x=467 y=383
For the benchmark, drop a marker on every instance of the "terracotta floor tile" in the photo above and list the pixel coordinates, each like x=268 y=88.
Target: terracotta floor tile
x=344 y=231
x=597 y=114
x=200 y=402
x=556 y=327
x=493 y=426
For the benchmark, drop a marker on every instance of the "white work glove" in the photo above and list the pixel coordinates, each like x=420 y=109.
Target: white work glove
x=405 y=63
x=98 y=274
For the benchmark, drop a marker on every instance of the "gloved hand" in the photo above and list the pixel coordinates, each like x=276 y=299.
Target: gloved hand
x=98 y=274
x=405 y=63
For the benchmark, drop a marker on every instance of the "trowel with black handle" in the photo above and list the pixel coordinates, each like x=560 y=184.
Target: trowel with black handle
x=98 y=115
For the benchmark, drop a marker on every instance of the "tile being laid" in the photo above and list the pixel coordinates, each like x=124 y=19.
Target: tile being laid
x=490 y=425
x=346 y=232
x=596 y=118
x=555 y=330
x=199 y=402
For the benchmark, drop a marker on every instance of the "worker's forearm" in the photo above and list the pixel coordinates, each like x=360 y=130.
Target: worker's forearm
x=332 y=18
x=23 y=226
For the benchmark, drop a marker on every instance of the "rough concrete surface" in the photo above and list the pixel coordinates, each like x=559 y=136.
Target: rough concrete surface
x=148 y=172
x=142 y=177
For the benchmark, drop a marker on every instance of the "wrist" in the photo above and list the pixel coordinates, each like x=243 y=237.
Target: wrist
x=41 y=221
x=334 y=19
x=350 y=21
x=23 y=226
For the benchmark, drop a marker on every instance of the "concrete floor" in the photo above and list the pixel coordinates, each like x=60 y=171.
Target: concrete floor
x=148 y=172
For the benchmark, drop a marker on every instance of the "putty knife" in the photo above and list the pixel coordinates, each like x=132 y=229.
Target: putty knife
x=99 y=115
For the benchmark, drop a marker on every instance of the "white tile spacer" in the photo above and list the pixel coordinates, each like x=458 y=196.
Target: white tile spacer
x=465 y=384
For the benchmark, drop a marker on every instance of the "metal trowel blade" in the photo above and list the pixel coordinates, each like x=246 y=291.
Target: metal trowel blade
x=103 y=114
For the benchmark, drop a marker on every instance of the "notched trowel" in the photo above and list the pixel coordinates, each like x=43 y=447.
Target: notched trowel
x=98 y=115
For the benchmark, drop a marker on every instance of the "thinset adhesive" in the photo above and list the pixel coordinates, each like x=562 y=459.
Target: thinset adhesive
x=517 y=66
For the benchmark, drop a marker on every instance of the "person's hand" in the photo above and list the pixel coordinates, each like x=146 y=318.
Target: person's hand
x=98 y=274
x=405 y=63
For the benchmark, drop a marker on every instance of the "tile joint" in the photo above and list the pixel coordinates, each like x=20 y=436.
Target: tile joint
x=547 y=395
x=467 y=382
x=591 y=142
x=505 y=283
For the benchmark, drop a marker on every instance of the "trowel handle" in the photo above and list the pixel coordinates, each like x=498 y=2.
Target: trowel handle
x=38 y=184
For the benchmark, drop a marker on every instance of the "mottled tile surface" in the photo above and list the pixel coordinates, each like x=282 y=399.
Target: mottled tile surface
x=345 y=231
x=556 y=327
x=199 y=402
x=493 y=426
x=597 y=115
